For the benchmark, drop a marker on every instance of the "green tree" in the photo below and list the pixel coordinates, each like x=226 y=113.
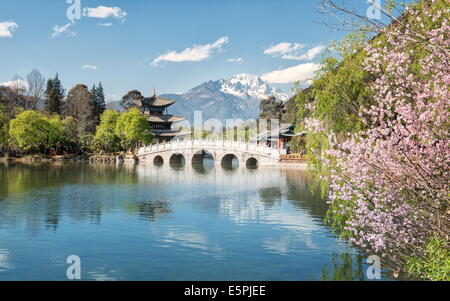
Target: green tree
x=105 y=135
x=4 y=123
x=70 y=137
x=32 y=130
x=100 y=105
x=87 y=143
x=54 y=96
x=337 y=95
x=131 y=100
x=98 y=101
x=271 y=108
x=56 y=130
x=133 y=129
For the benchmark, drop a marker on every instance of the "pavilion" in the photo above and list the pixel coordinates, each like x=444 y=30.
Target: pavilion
x=163 y=124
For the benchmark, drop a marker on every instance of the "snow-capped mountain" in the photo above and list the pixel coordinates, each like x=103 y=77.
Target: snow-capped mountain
x=237 y=97
x=18 y=84
x=250 y=87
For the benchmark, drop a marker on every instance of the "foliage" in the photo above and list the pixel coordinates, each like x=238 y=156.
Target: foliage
x=57 y=128
x=389 y=181
x=98 y=101
x=54 y=96
x=70 y=138
x=335 y=97
x=340 y=88
x=271 y=108
x=31 y=129
x=298 y=144
x=133 y=129
x=290 y=111
x=122 y=131
x=87 y=143
x=105 y=136
x=4 y=123
x=131 y=99
x=435 y=264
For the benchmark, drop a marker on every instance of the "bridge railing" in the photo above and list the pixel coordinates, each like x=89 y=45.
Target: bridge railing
x=212 y=144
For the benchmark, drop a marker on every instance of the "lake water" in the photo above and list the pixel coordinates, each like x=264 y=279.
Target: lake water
x=201 y=222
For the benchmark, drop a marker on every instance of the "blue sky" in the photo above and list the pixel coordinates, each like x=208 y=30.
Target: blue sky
x=170 y=45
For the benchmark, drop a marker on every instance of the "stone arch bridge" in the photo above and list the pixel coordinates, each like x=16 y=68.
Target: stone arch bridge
x=221 y=151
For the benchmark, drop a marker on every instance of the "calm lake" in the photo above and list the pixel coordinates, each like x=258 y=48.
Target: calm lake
x=147 y=222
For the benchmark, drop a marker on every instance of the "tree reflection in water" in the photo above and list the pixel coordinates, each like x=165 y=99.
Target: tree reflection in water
x=149 y=210
x=344 y=267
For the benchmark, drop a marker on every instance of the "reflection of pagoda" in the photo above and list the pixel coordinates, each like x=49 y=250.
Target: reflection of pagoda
x=162 y=124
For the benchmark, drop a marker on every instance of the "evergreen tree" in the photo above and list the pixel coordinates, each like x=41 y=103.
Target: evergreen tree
x=101 y=103
x=93 y=101
x=271 y=108
x=98 y=101
x=54 y=96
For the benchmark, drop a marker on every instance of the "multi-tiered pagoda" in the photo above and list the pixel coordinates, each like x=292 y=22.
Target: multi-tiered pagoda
x=162 y=123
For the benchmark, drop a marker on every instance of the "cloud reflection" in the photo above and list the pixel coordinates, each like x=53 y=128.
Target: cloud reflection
x=5 y=264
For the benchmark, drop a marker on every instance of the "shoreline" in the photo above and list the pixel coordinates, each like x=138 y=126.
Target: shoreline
x=59 y=159
x=113 y=160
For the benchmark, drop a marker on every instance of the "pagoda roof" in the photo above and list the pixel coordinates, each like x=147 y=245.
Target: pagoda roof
x=166 y=118
x=170 y=133
x=157 y=101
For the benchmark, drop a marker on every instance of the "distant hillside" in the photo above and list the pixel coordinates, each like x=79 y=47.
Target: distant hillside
x=235 y=98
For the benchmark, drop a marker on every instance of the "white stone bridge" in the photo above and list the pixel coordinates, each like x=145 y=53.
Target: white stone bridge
x=221 y=151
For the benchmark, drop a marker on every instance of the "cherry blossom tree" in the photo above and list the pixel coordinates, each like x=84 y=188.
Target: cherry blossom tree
x=389 y=184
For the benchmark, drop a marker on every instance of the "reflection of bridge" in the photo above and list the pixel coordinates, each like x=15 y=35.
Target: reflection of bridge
x=221 y=151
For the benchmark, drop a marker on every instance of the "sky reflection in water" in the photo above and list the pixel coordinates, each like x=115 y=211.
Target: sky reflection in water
x=201 y=222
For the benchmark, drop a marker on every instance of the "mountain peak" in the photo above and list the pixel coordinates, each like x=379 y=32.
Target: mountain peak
x=249 y=86
x=237 y=97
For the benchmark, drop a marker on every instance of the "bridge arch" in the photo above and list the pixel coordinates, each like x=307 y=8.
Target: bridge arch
x=251 y=162
x=177 y=158
x=158 y=160
x=229 y=159
x=199 y=156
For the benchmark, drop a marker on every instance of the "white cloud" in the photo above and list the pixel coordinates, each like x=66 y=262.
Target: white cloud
x=6 y=29
x=58 y=30
x=238 y=60
x=105 y=12
x=108 y=24
x=293 y=51
x=92 y=67
x=302 y=72
x=284 y=48
x=309 y=55
x=195 y=53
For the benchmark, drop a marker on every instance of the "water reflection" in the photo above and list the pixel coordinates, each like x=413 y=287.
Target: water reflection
x=344 y=266
x=169 y=222
x=203 y=167
x=149 y=210
x=4 y=260
x=270 y=195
